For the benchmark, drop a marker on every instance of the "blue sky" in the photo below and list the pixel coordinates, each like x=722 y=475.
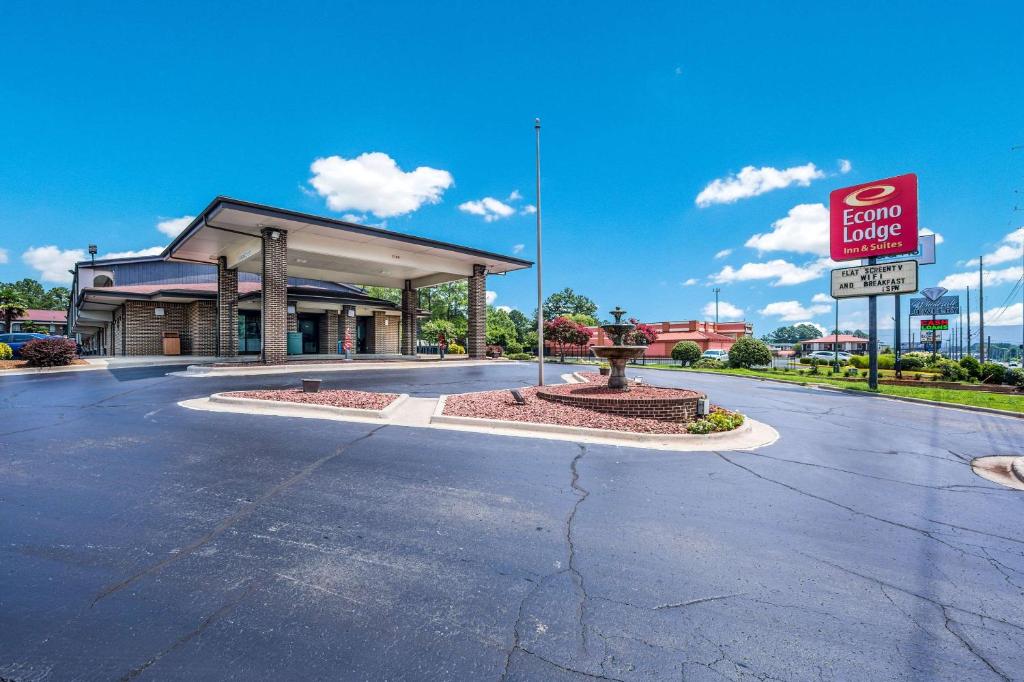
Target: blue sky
x=119 y=118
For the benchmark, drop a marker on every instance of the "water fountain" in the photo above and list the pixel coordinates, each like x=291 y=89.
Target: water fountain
x=618 y=353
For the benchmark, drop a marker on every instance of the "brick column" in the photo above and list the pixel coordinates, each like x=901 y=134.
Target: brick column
x=275 y=296
x=348 y=326
x=476 y=335
x=410 y=297
x=227 y=310
x=329 y=332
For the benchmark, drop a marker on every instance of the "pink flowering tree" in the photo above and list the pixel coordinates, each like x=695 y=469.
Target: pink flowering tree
x=564 y=333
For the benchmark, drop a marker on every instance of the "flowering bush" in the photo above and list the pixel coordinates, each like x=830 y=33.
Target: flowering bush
x=643 y=335
x=456 y=349
x=5 y=352
x=565 y=333
x=53 y=351
x=494 y=351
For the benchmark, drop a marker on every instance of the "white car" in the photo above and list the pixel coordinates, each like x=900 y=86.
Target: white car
x=716 y=355
x=829 y=355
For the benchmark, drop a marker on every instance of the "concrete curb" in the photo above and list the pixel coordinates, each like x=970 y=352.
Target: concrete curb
x=309 y=410
x=205 y=371
x=50 y=370
x=751 y=435
x=1017 y=468
x=850 y=391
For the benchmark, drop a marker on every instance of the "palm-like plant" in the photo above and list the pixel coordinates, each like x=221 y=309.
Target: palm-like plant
x=12 y=305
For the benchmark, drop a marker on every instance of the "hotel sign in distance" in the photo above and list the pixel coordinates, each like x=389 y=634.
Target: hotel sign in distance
x=882 y=279
x=874 y=219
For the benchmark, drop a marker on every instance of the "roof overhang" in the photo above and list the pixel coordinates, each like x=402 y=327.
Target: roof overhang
x=328 y=249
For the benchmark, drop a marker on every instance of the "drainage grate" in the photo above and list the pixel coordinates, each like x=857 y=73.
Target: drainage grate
x=1004 y=470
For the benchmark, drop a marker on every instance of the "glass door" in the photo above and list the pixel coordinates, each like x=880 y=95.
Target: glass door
x=249 y=338
x=309 y=327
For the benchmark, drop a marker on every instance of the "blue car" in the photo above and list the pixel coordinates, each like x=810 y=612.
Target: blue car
x=19 y=339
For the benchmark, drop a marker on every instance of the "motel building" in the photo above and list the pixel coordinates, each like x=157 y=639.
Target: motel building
x=51 y=321
x=847 y=343
x=246 y=279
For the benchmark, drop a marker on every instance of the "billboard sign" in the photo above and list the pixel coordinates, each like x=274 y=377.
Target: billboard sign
x=925 y=254
x=874 y=219
x=896 y=277
x=935 y=325
x=943 y=305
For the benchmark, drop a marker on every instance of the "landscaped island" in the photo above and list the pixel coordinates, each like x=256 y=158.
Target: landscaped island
x=360 y=400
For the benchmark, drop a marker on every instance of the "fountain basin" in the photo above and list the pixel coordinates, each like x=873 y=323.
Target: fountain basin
x=617 y=356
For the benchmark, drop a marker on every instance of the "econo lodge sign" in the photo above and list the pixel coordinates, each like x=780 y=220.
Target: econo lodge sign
x=874 y=219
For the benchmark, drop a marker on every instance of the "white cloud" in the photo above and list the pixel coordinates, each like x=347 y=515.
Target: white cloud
x=723 y=253
x=506 y=308
x=514 y=196
x=1009 y=249
x=845 y=166
x=821 y=298
x=518 y=248
x=490 y=296
x=374 y=183
x=52 y=263
x=529 y=209
x=938 y=237
x=751 y=182
x=3 y=256
x=803 y=230
x=1012 y=316
x=172 y=227
x=962 y=280
x=783 y=272
x=726 y=311
x=794 y=311
x=151 y=251
x=690 y=282
x=489 y=208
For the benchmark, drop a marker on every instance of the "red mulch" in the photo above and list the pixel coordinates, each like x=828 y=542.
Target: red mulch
x=23 y=364
x=598 y=388
x=501 y=405
x=336 y=398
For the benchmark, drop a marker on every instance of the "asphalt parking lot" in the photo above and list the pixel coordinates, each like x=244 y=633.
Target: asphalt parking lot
x=142 y=540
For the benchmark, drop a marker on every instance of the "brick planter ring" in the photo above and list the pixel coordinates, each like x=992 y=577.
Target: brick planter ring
x=672 y=405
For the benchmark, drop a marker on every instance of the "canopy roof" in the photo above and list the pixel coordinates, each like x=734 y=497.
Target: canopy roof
x=328 y=249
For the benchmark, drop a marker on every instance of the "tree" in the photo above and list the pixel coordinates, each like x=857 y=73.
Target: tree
x=12 y=304
x=793 y=334
x=524 y=325
x=568 y=302
x=57 y=298
x=565 y=333
x=433 y=329
x=35 y=296
x=748 y=352
x=641 y=335
x=686 y=352
x=385 y=294
x=581 y=319
x=501 y=330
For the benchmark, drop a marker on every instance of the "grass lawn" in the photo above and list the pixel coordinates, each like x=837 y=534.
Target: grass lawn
x=999 y=401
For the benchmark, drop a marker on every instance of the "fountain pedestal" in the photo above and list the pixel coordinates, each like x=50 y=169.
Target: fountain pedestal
x=618 y=353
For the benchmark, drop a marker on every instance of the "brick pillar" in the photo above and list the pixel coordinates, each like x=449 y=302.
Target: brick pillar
x=227 y=309
x=329 y=332
x=275 y=296
x=348 y=326
x=410 y=297
x=476 y=336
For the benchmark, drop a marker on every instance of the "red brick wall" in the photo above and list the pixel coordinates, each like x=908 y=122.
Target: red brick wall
x=275 y=296
x=202 y=328
x=682 y=409
x=384 y=337
x=476 y=333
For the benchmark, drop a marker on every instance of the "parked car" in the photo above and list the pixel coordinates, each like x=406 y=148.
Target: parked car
x=19 y=339
x=716 y=354
x=830 y=355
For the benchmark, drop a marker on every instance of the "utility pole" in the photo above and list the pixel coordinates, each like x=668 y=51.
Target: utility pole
x=896 y=334
x=968 y=320
x=873 y=337
x=540 y=289
x=717 y=291
x=981 y=308
x=835 y=346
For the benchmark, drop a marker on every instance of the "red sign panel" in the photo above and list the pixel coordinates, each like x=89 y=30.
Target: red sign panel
x=935 y=325
x=874 y=219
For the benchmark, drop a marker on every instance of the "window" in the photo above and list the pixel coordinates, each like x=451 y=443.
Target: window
x=102 y=281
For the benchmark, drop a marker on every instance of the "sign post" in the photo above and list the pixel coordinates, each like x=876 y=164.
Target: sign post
x=869 y=221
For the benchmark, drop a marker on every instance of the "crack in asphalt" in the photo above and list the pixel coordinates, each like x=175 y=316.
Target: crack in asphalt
x=581 y=495
x=192 y=634
x=245 y=512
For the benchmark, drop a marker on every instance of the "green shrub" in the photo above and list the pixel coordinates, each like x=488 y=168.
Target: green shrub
x=5 y=352
x=686 y=352
x=748 y=352
x=950 y=370
x=701 y=426
x=456 y=349
x=886 y=361
x=709 y=363
x=1014 y=377
x=725 y=420
x=972 y=366
x=911 y=362
x=519 y=356
x=852 y=372
x=53 y=351
x=859 y=361
x=513 y=348
x=992 y=373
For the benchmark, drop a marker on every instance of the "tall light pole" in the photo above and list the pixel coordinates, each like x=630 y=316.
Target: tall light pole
x=717 y=291
x=540 y=290
x=981 y=308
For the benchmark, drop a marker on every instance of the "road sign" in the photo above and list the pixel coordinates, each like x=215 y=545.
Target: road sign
x=874 y=219
x=944 y=305
x=934 y=325
x=896 y=277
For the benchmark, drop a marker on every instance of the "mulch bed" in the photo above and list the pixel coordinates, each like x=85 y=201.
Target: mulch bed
x=598 y=388
x=501 y=405
x=23 y=364
x=335 y=398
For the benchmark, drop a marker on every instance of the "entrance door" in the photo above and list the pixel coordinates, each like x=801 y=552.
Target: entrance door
x=249 y=338
x=361 y=334
x=309 y=327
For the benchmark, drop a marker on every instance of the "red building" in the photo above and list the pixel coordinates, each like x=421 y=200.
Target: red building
x=707 y=335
